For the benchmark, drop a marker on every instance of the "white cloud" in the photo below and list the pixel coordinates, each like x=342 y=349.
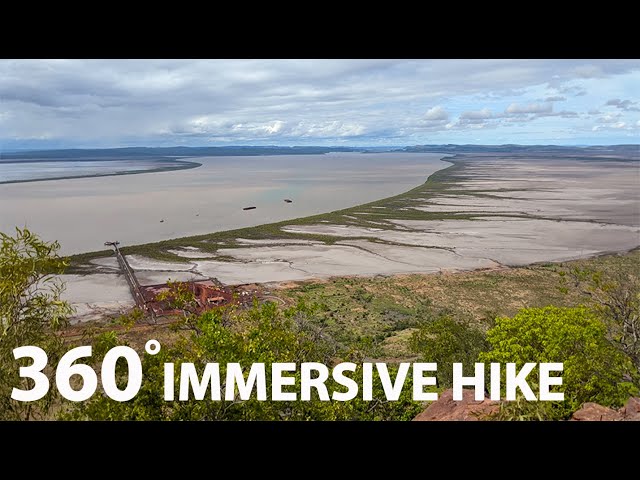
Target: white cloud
x=258 y=129
x=556 y=98
x=535 y=108
x=274 y=127
x=476 y=114
x=436 y=113
x=609 y=118
x=328 y=129
x=195 y=102
x=614 y=125
x=588 y=71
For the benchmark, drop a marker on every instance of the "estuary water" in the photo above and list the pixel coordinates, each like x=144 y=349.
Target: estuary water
x=83 y=213
x=29 y=171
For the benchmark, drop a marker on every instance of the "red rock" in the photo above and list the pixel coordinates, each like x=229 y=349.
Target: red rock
x=446 y=408
x=591 y=412
x=631 y=411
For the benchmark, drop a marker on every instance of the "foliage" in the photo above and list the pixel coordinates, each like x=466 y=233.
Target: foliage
x=30 y=311
x=263 y=334
x=522 y=409
x=594 y=370
x=445 y=341
x=179 y=295
x=616 y=297
x=104 y=342
x=129 y=319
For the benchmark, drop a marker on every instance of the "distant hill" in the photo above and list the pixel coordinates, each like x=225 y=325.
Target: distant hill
x=628 y=151
x=129 y=153
x=155 y=152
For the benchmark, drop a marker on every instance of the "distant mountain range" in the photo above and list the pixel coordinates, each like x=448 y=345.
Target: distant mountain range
x=630 y=151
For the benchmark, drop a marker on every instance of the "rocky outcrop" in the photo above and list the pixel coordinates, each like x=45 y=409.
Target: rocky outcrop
x=446 y=408
x=631 y=411
x=595 y=412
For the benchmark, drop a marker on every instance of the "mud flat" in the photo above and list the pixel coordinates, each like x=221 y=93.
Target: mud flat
x=97 y=295
x=483 y=212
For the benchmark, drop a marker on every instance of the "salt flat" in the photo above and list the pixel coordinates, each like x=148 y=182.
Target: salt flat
x=93 y=296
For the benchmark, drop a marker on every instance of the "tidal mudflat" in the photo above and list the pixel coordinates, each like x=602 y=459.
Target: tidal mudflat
x=481 y=213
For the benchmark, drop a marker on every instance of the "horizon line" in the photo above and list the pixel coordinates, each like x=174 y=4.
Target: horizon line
x=343 y=147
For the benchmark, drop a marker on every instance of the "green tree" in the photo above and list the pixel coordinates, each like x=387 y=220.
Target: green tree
x=180 y=295
x=31 y=311
x=594 y=370
x=263 y=334
x=615 y=296
x=446 y=341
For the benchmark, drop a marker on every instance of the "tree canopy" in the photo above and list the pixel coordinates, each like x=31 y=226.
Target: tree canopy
x=594 y=370
x=445 y=341
x=31 y=311
x=262 y=334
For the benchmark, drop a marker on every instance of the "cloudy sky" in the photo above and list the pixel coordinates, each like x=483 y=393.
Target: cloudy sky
x=113 y=103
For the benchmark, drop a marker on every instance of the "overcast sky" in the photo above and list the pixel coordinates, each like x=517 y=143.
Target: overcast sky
x=114 y=103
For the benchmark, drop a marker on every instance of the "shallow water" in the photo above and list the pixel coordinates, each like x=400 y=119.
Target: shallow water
x=83 y=213
x=25 y=171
